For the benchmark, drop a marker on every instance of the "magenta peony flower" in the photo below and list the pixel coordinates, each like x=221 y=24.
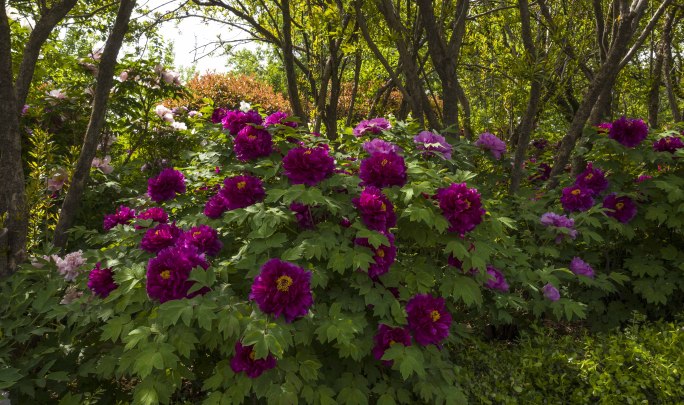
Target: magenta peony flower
x=576 y=198
x=160 y=237
x=124 y=215
x=242 y=191
x=550 y=292
x=377 y=145
x=308 y=165
x=235 y=120
x=167 y=274
x=540 y=144
x=377 y=212
x=581 y=268
x=371 y=127
x=428 y=319
x=560 y=221
x=303 y=215
x=279 y=118
x=282 y=288
x=496 y=281
x=543 y=173
x=101 y=281
x=461 y=206
x=252 y=143
x=383 y=256
x=244 y=360
x=216 y=206
x=668 y=144
x=386 y=337
x=623 y=208
x=642 y=178
x=204 y=238
x=628 y=132
x=156 y=214
x=491 y=142
x=218 y=115
x=433 y=144
x=592 y=179
x=383 y=170
x=166 y=185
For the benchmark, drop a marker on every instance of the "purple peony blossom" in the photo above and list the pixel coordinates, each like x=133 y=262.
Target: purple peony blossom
x=252 y=143
x=218 y=115
x=492 y=143
x=543 y=173
x=668 y=144
x=383 y=170
x=592 y=179
x=428 y=319
x=124 y=215
x=461 y=206
x=496 y=281
x=604 y=127
x=242 y=191
x=550 y=292
x=156 y=214
x=235 y=120
x=560 y=221
x=308 y=166
x=166 y=185
x=371 y=127
x=167 y=274
x=160 y=237
x=388 y=337
x=383 y=256
x=244 y=360
x=204 y=238
x=432 y=143
x=576 y=198
x=303 y=215
x=622 y=208
x=376 y=210
x=282 y=288
x=101 y=281
x=377 y=145
x=628 y=132
x=279 y=118
x=216 y=206
x=540 y=144
x=581 y=268
x=643 y=177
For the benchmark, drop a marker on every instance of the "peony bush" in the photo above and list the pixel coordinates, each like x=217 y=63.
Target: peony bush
x=275 y=266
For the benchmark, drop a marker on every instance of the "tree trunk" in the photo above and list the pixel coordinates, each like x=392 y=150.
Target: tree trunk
x=289 y=63
x=105 y=80
x=355 y=88
x=13 y=196
x=654 y=90
x=527 y=122
x=667 y=64
x=602 y=83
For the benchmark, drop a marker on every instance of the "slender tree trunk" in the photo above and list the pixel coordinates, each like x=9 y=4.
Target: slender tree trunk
x=667 y=64
x=105 y=80
x=654 y=90
x=289 y=63
x=527 y=122
x=13 y=196
x=355 y=88
x=603 y=81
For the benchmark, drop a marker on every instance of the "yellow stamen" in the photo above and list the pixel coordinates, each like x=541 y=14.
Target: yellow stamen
x=392 y=342
x=434 y=315
x=166 y=274
x=619 y=206
x=283 y=283
x=589 y=176
x=308 y=152
x=576 y=191
x=383 y=207
x=467 y=204
x=196 y=234
x=241 y=185
x=380 y=253
x=252 y=355
x=251 y=137
x=384 y=162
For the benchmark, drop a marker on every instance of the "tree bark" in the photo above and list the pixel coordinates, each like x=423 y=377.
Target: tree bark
x=105 y=80
x=603 y=82
x=532 y=105
x=667 y=64
x=13 y=196
x=289 y=64
x=355 y=88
